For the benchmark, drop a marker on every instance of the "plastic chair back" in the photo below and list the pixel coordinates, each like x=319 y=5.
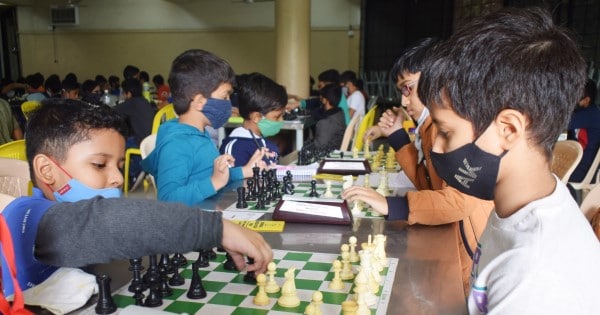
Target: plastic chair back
x=565 y=157
x=14 y=177
x=162 y=115
x=28 y=107
x=5 y=200
x=349 y=133
x=146 y=146
x=14 y=150
x=586 y=183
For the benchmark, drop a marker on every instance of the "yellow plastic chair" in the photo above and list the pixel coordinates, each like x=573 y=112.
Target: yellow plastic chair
x=162 y=115
x=366 y=122
x=28 y=107
x=14 y=150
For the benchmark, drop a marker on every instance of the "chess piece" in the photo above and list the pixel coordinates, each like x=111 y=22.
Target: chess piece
x=382 y=189
x=380 y=240
x=336 y=283
x=137 y=284
x=353 y=255
x=202 y=260
x=180 y=259
x=366 y=267
x=229 y=264
x=314 y=308
x=261 y=297
x=166 y=261
x=241 y=198
x=362 y=291
x=210 y=254
x=105 y=305
x=346 y=273
x=289 y=296
x=151 y=274
x=328 y=193
x=154 y=298
x=165 y=289
x=367 y=151
x=176 y=279
x=196 y=290
x=349 y=307
x=272 y=286
x=250 y=196
x=250 y=276
x=367 y=181
x=342 y=155
x=356 y=209
x=313 y=189
x=348 y=181
x=355 y=153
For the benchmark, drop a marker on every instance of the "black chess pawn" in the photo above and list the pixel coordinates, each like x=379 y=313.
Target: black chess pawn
x=166 y=261
x=105 y=305
x=241 y=198
x=179 y=260
x=250 y=276
x=152 y=272
x=313 y=189
x=210 y=254
x=220 y=249
x=342 y=155
x=289 y=175
x=229 y=264
x=154 y=298
x=196 y=290
x=176 y=279
x=202 y=261
x=250 y=196
x=135 y=266
x=165 y=289
x=277 y=191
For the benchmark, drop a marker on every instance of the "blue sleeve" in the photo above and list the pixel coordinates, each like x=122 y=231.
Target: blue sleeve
x=397 y=208
x=235 y=173
x=175 y=167
x=398 y=139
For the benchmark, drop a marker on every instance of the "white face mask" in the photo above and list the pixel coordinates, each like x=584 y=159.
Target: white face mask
x=345 y=90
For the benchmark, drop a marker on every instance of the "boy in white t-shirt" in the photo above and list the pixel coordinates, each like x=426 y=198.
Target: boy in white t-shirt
x=356 y=99
x=500 y=91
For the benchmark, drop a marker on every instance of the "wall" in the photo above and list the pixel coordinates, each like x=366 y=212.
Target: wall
x=150 y=33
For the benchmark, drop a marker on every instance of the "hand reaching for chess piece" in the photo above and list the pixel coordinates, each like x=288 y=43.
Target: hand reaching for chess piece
x=373 y=198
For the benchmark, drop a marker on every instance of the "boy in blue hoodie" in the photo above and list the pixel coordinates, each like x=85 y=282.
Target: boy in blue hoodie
x=185 y=163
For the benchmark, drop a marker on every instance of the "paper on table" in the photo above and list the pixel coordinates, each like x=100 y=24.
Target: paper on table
x=241 y=215
x=312 y=209
x=333 y=165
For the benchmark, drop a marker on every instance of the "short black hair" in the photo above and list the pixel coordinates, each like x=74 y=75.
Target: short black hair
x=329 y=76
x=88 y=86
x=70 y=85
x=510 y=59
x=412 y=59
x=59 y=124
x=130 y=71
x=133 y=86
x=100 y=79
x=52 y=84
x=258 y=93
x=35 y=80
x=71 y=76
x=348 y=75
x=194 y=72
x=332 y=93
x=158 y=80
x=114 y=81
x=144 y=76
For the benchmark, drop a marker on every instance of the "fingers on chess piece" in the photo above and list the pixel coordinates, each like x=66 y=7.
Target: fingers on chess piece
x=105 y=304
x=250 y=276
x=229 y=264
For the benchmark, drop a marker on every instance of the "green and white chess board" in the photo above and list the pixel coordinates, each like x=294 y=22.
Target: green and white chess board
x=227 y=293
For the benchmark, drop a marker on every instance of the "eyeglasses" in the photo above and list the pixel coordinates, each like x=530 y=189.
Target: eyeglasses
x=407 y=89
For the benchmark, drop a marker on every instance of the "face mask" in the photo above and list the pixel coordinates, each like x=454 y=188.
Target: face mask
x=217 y=111
x=469 y=169
x=344 y=90
x=74 y=190
x=10 y=94
x=269 y=127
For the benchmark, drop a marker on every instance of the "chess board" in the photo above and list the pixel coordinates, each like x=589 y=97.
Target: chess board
x=302 y=189
x=227 y=293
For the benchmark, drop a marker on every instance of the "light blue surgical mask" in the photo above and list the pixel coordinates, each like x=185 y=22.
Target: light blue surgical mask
x=217 y=111
x=269 y=127
x=74 y=190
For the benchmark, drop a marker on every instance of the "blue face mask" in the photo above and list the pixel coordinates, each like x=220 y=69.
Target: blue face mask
x=217 y=111
x=75 y=190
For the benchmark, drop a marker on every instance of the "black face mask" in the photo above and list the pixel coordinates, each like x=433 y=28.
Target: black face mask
x=469 y=169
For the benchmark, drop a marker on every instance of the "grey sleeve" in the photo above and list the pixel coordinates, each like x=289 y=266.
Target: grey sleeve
x=99 y=230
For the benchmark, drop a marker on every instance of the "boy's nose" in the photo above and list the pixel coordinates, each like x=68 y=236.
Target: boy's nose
x=404 y=101
x=116 y=179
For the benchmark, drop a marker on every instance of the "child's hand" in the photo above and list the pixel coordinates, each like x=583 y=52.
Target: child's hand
x=221 y=167
x=372 y=133
x=239 y=242
x=390 y=122
x=255 y=160
x=368 y=195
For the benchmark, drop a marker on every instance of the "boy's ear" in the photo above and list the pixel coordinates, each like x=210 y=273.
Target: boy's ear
x=255 y=117
x=44 y=169
x=198 y=102
x=511 y=125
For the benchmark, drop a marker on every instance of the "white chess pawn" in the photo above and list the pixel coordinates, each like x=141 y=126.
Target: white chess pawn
x=355 y=153
x=349 y=307
x=328 y=193
x=336 y=283
x=261 y=297
x=382 y=189
x=314 y=308
x=346 y=273
x=348 y=181
x=272 y=286
x=356 y=209
x=367 y=183
x=353 y=255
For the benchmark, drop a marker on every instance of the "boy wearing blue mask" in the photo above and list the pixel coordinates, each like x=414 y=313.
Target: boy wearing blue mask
x=500 y=92
x=262 y=104
x=74 y=217
x=185 y=163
